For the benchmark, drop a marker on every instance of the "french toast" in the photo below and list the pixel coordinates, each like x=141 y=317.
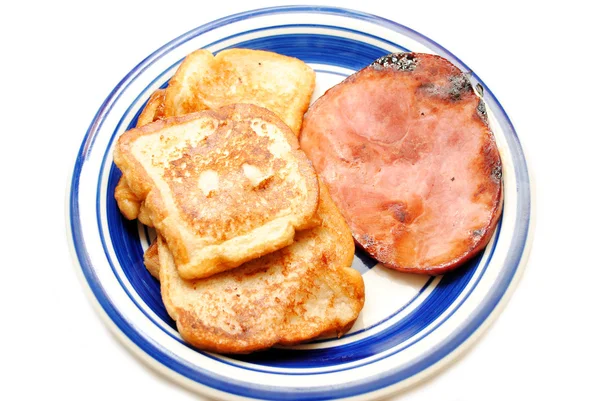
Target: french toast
x=276 y=82
x=151 y=260
x=129 y=204
x=222 y=186
x=279 y=83
x=154 y=109
x=297 y=293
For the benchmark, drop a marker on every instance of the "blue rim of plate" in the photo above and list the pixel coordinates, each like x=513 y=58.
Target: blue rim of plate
x=170 y=361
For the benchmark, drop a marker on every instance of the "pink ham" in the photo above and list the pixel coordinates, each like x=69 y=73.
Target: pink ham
x=406 y=151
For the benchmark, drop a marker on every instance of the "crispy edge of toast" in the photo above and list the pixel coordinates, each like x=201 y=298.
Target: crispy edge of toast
x=154 y=108
x=216 y=258
x=151 y=260
x=127 y=201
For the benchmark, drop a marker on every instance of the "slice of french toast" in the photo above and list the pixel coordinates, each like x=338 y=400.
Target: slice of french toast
x=276 y=82
x=129 y=204
x=300 y=292
x=221 y=187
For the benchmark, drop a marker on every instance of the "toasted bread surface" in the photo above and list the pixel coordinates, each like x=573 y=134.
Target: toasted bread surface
x=276 y=82
x=298 y=293
x=222 y=187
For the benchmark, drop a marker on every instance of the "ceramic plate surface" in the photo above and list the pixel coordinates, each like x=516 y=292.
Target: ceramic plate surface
x=410 y=324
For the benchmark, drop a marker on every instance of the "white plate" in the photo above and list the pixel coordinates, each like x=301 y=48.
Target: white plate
x=410 y=325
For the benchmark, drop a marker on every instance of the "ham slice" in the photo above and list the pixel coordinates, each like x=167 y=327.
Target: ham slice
x=407 y=153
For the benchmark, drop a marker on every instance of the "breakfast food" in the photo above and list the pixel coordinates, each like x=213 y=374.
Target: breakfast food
x=221 y=187
x=406 y=151
x=251 y=249
x=151 y=260
x=276 y=82
x=127 y=201
x=305 y=290
x=281 y=84
x=154 y=109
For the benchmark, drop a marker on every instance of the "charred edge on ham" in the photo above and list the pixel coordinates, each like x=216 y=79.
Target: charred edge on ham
x=367 y=241
x=459 y=84
x=478 y=233
x=497 y=172
x=456 y=87
x=398 y=61
x=479 y=90
x=481 y=111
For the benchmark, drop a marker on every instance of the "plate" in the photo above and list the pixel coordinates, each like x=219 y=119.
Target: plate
x=410 y=326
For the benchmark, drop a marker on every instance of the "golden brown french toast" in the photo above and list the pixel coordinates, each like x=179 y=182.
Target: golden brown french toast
x=221 y=187
x=300 y=292
x=276 y=82
x=279 y=83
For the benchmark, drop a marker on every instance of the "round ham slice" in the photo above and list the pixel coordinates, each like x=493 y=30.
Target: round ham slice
x=406 y=151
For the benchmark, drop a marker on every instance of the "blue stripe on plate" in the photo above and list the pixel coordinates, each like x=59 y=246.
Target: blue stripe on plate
x=197 y=374
x=315 y=48
x=305 y=26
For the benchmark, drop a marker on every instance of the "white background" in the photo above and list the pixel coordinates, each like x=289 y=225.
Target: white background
x=60 y=60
